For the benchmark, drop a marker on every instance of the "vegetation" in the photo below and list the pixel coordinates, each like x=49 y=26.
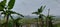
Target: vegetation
x=49 y=19
x=39 y=13
x=41 y=21
x=6 y=10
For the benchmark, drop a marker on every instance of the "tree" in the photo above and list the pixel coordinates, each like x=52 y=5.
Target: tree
x=49 y=19
x=7 y=9
x=39 y=13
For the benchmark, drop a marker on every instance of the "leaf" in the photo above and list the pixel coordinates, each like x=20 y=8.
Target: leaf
x=3 y=12
x=11 y=4
x=40 y=10
x=1 y=8
x=12 y=12
x=35 y=13
x=18 y=19
x=2 y=5
x=43 y=15
x=51 y=17
x=11 y=17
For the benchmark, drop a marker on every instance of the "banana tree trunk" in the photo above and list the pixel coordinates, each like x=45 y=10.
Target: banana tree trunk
x=17 y=25
x=7 y=20
x=14 y=25
x=50 y=23
x=47 y=22
x=42 y=22
x=37 y=24
x=20 y=25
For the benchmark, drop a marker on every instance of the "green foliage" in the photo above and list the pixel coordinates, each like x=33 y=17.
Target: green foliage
x=40 y=10
x=2 y=5
x=11 y=4
x=13 y=12
x=40 y=15
x=6 y=9
x=51 y=17
x=35 y=13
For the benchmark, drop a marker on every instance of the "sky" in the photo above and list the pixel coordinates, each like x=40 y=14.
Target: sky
x=26 y=7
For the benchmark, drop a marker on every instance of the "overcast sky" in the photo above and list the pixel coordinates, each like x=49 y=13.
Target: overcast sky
x=26 y=7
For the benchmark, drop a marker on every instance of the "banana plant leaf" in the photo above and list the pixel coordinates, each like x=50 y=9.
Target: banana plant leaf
x=11 y=4
x=40 y=10
x=12 y=12
x=35 y=13
x=2 y=5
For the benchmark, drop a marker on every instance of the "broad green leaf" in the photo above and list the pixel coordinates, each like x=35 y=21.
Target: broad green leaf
x=11 y=4
x=2 y=5
x=1 y=8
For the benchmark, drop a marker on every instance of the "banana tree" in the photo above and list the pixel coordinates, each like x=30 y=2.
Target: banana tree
x=49 y=19
x=6 y=9
x=40 y=15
